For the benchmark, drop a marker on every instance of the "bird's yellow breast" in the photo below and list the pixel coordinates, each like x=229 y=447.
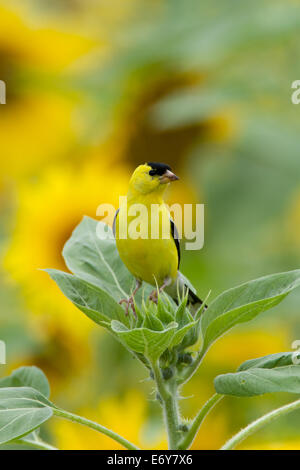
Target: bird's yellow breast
x=154 y=257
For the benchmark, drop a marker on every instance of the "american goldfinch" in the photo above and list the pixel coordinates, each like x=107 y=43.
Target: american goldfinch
x=153 y=254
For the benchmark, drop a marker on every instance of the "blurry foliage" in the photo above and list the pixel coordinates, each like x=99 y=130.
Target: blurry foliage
x=95 y=88
x=127 y=413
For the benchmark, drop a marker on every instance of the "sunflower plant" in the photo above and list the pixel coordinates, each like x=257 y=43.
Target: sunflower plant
x=166 y=338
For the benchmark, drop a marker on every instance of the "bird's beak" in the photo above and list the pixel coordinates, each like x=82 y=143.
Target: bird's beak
x=167 y=177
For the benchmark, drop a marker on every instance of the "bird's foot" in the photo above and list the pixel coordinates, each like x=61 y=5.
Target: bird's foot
x=129 y=303
x=154 y=296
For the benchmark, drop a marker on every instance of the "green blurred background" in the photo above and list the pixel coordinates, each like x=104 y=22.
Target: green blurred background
x=93 y=89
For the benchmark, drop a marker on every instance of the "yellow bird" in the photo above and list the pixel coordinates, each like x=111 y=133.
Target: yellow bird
x=146 y=236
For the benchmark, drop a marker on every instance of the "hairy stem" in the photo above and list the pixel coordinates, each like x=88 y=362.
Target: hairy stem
x=187 y=441
x=259 y=423
x=168 y=396
x=97 y=427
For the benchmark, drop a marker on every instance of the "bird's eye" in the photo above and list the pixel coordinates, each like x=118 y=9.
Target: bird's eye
x=152 y=172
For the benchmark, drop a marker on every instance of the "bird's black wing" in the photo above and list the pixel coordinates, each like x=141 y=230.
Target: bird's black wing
x=114 y=223
x=175 y=236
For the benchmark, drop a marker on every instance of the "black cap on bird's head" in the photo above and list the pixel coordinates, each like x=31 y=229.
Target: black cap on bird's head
x=151 y=177
x=163 y=171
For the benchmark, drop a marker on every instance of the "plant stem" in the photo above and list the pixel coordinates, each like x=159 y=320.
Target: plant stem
x=168 y=395
x=197 y=421
x=97 y=427
x=259 y=423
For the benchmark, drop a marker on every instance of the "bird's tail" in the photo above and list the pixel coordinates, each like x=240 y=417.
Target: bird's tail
x=182 y=286
x=195 y=302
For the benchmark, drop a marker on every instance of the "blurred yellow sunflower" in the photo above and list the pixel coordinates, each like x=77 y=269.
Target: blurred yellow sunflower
x=47 y=212
x=213 y=433
x=239 y=346
x=143 y=140
x=143 y=137
x=288 y=444
x=126 y=416
x=37 y=124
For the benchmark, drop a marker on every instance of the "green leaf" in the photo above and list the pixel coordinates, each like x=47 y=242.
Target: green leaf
x=271 y=361
x=256 y=381
x=27 y=377
x=91 y=254
x=180 y=334
x=191 y=337
x=97 y=260
x=97 y=304
x=22 y=409
x=152 y=322
x=162 y=311
x=181 y=314
x=243 y=303
x=145 y=341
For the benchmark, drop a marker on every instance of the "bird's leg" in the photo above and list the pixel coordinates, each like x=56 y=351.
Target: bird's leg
x=154 y=294
x=130 y=301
